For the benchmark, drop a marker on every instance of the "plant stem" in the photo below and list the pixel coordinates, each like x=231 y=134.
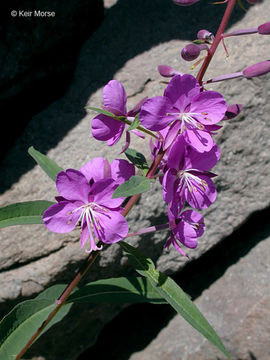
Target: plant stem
x=218 y=38
x=61 y=300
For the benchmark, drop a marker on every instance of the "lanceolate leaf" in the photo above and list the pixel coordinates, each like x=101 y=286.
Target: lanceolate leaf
x=135 y=185
x=22 y=322
x=47 y=165
x=102 y=111
x=118 y=290
x=137 y=159
x=29 y=212
x=173 y=294
x=135 y=123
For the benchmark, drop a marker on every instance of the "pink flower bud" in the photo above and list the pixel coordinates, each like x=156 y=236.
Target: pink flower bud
x=205 y=35
x=185 y=2
x=258 y=69
x=253 y=2
x=264 y=29
x=167 y=71
x=190 y=52
x=232 y=111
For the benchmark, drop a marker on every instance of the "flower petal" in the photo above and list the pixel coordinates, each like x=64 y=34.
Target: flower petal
x=105 y=127
x=181 y=90
x=96 y=169
x=153 y=115
x=211 y=107
x=114 y=97
x=72 y=185
x=102 y=191
x=113 y=227
x=122 y=170
x=59 y=217
x=200 y=140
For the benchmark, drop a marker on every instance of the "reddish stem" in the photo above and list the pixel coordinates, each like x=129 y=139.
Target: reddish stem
x=218 y=38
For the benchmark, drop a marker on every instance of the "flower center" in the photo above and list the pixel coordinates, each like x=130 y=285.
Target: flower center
x=192 y=181
x=89 y=215
x=188 y=119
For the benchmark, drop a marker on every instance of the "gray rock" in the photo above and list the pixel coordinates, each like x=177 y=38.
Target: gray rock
x=31 y=258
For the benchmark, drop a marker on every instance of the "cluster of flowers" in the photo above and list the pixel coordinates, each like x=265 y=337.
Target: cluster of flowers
x=186 y=118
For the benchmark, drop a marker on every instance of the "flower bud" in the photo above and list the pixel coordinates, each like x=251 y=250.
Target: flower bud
x=167 y=71
x=190 y=52
x=264 y=29
x=258 y=69
x=253 y=2
x=185 y=2
x=232 y=111
x=205 y=35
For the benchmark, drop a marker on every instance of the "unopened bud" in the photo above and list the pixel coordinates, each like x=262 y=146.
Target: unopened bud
x=232 y=111
x=167 y=71
x=185 y=2
x=258 y=69
x=264 y=29
x=253 y=2
x=205 y=35
x=192 y=51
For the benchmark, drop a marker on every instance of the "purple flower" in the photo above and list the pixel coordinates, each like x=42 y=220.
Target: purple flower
x=185 y=228
x=188 y=177
x=88 y=205
x=105 y=128
x=187 y=110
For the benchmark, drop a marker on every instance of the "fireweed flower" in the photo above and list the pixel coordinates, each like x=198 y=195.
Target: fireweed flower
x=185 y=229
x=105 y=128
x=186 y=110
x=188 y=177
x=89 y=206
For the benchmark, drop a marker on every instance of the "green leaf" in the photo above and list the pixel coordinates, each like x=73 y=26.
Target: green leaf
x=17 y=327
x=137 y=159
x=47 y=165
x=135 y=185
x=135 y=123
x=117 y=290
x=102 y=111
x=174 y=295
x=29 y=212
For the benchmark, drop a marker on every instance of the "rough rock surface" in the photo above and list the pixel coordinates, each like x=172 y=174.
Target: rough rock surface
x=129 y=46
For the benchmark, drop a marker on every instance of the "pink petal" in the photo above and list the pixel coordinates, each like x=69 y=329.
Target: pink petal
x=72 y=185
x=114 y=97
x=199 y=140
x=122 y=170
x=59 y=217
x=105 y=127
x=211 y=104
x=153 y=115
x=102 y=191
x=95 y=169
x=113 y=227
x=201 y=198
x=181 y=90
